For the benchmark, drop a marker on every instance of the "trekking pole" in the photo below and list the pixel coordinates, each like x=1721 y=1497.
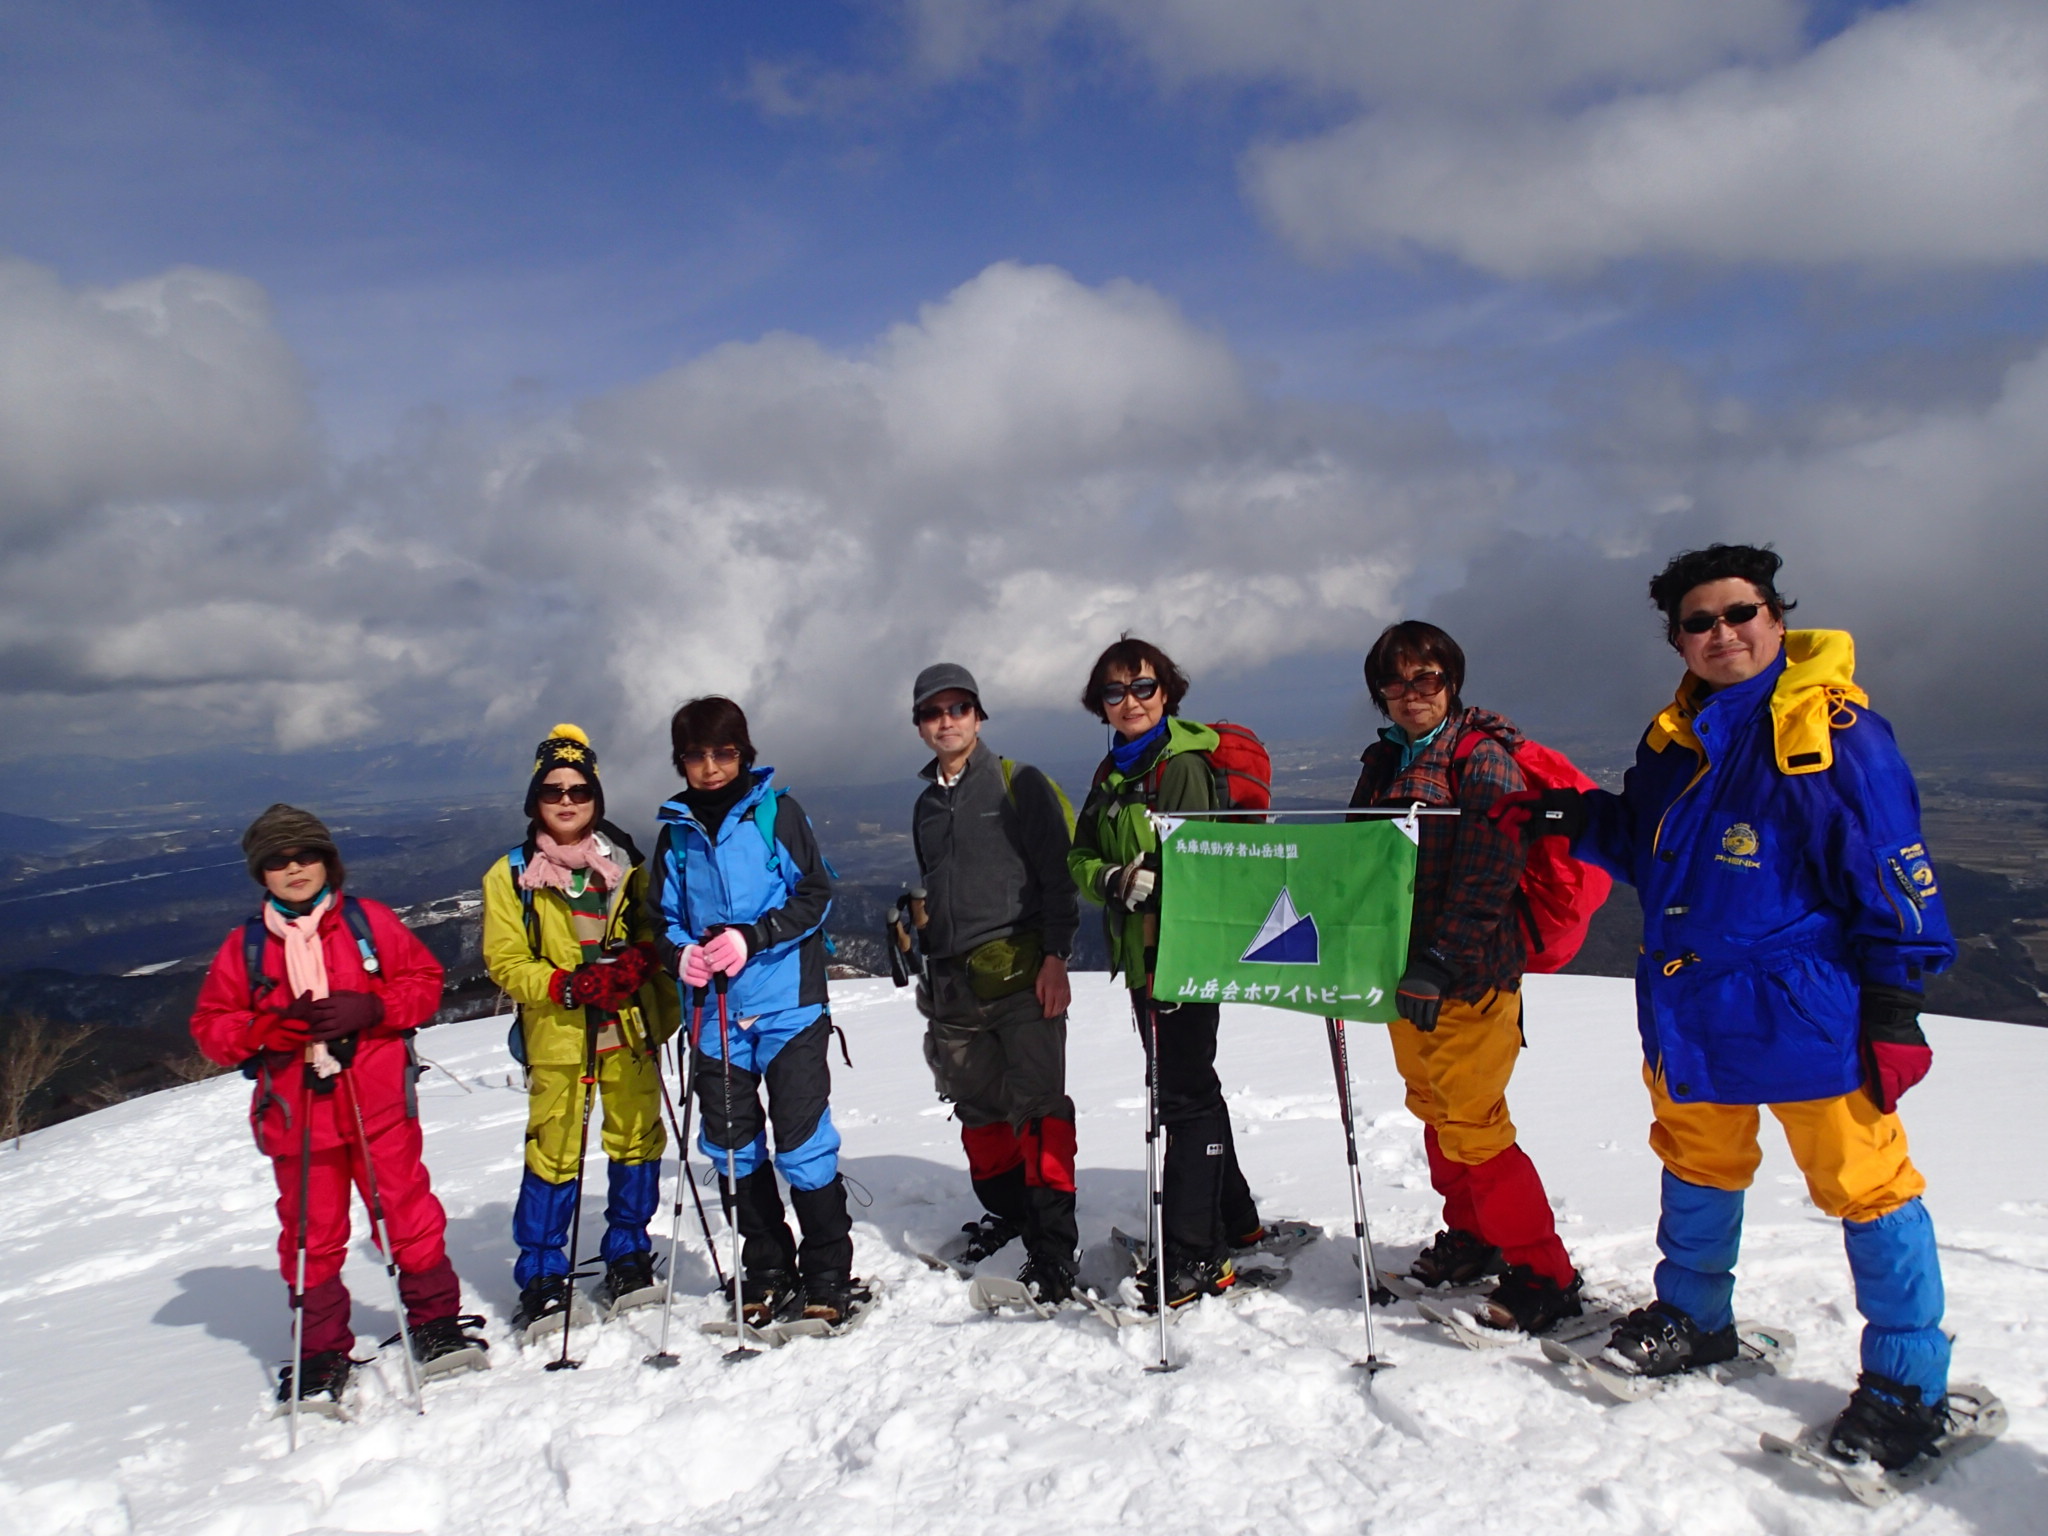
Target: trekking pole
x=662 y=1359
x=383 y=1231
x=1370 y=1288
x=588 y=1082
x=739 y=1351
x=299 y=1283
x=1155 y=1181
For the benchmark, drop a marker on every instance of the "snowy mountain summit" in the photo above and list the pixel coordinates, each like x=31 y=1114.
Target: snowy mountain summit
x=142 y=1320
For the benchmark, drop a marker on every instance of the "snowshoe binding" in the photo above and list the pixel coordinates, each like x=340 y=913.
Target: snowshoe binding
x=1277 y=1238
x=1887 y=1442
x=443 y=1346
x=1662 y=1340
x=1454 y=1263
x=1532 y=1303
x=1761 y=1349
x=974 y=1242
x=769 y=1296
x=628 y=1283
x=325 y=1385
x=543 y=1304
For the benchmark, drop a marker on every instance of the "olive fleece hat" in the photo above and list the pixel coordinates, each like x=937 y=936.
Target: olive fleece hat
x=283 y=828
x=566 y=747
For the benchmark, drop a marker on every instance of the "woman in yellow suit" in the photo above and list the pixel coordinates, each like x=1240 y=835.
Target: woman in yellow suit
x=568 y=937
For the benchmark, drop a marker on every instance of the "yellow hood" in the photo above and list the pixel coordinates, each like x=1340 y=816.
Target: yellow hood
x=1812 y=699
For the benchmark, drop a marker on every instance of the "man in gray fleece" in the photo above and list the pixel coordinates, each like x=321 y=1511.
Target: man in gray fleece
x=992 y=839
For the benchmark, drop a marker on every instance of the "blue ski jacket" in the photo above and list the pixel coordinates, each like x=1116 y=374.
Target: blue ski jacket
x=763 y=872
x=1772 y=831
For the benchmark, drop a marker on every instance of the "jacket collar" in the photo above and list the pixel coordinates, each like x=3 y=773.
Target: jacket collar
x=1810 y=691
x=977 y=760
x=677 y=812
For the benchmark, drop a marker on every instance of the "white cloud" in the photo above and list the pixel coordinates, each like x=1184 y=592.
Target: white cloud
x=1919 y=135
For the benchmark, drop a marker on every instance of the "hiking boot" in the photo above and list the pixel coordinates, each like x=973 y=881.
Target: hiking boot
x=542 y=1297
x=769 y=1296
x=1531 y=1302
x=326 y=1376
x=1661 y=1340
x=445 y=1336
x=831 y=1297
x=1187 y=1280
x=1049 y=1278
x=986 y=1237
x=623 y=1276
x=1887 y=1423
x=1455 y=1257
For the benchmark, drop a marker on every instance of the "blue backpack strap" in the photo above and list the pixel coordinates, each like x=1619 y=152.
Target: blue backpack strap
x=517 y=859
x=254 y=937
x=764 y=821
x=358 y=922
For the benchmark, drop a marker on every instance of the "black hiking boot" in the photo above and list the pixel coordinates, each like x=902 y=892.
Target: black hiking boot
x=831 y=1297
x=1887 y=1423
x=1455 y=1257
x=449 y=1335
x=769 y=1296
x=1187 y=1280
x=624 y=1276
x=1531 y=1302
x=1049 y=1278
x=326 y=1378
x=542 y=1297
x=986 y=1237
x=1661 y=1340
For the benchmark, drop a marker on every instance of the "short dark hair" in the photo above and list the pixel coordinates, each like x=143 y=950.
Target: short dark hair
x=712 y=721
x=1717 y=562
x=1415 y=642
x=1132 y=655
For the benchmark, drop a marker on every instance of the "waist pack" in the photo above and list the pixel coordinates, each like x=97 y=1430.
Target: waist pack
x=1006 y=966
x=1559 y=895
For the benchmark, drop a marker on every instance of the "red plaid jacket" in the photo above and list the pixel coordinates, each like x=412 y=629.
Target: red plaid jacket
x=1468 y=874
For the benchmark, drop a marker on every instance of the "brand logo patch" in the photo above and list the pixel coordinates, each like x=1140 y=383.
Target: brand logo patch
x=1739 y=845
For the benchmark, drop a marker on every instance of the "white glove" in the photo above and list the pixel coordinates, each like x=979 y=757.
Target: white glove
x=1129 y=885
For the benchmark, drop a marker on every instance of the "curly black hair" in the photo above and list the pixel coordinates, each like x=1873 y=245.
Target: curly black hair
x=1131 y=655
x=1717 y=562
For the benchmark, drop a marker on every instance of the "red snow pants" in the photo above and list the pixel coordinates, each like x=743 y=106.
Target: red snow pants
x=418 y=1227
x=1457 y=1078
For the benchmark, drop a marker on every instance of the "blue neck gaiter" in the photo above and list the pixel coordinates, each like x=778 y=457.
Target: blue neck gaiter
x=1128 y=754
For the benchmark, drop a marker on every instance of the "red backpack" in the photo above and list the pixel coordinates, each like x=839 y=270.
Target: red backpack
x=1243 y=768
x=1559 y=893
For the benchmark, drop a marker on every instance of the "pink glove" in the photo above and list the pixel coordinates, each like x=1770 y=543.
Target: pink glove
x=726 y=951
x=696 y=970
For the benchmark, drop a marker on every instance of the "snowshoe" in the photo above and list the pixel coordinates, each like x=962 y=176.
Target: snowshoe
x=445 y=1345
x=1970 y=1418
x=1535 y=1304
x=1461 y=1324
x=830 y=1297
x=1048 y=1277
x=1662 y=1340
x=1041 y=1288
x=326 y=1383
x=543 y=1304
x=1454 y=1259
x=974 y=1242
x=1277 y=1238
x=860 y=1297
x=628 y=1283
x=1762 y=1349
x=769 y=1296
x=1188 y=1279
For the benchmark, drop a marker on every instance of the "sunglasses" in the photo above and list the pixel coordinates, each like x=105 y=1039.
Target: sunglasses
x=1140 y=689
x=704 y=756
x=960 y=709
x=1735 y=615
x=1424 y=685
x=575 y=794
x=305 y=858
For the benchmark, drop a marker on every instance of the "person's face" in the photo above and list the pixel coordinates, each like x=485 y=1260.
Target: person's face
x=561 y=817
x=711 y=767
x=299 y=875
x=1409 y=705
x=1728 y=653
x=1130 y=716
x=950 y=723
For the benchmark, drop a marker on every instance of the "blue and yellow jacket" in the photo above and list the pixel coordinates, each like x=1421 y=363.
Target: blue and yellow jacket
x=1772 y=831
x=761 y=872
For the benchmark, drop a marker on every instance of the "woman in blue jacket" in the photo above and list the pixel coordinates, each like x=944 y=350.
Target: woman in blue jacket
x=1790 y=912
x=743 y=892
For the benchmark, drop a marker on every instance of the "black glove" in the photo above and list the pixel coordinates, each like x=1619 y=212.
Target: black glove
x=1421 y=992
x=1534 y=813
x=1896 y=1054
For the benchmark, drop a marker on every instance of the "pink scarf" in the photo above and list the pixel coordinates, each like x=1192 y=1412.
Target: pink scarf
x=552 y=864
x=305 y=964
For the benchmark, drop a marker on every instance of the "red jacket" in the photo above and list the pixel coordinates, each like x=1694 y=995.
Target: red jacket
x=409 y=982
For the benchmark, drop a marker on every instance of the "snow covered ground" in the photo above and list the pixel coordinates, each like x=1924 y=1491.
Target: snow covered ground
x=141 y=1321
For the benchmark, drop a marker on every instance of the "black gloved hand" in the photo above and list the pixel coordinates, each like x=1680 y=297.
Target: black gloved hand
x=1534 y=813
x=344 y=1013
x=1421 y=993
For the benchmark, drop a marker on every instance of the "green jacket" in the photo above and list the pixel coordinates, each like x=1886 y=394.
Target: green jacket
x=554 y=1035
x=1113 y=829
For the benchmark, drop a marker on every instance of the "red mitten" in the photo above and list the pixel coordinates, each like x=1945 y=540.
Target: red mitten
x=1896 y=1054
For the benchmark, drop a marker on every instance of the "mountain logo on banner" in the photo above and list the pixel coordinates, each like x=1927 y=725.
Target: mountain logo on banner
x=1286 y=937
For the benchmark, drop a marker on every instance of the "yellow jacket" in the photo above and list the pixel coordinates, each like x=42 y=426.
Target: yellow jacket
x=523 y=968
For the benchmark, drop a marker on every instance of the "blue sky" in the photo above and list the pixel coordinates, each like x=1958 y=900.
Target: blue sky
x=1400 y=293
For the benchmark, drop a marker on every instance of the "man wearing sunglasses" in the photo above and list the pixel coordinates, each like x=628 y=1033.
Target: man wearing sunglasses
x=1790 y=914
x=1001 y=911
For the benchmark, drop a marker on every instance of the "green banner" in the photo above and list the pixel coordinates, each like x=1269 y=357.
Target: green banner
x=1308 y=917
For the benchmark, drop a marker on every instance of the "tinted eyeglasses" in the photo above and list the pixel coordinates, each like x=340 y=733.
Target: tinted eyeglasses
x=1424 y=685
x=724 y=757
x=305 y=858
x=1735 y=615
x=959 y=709
x=1141 y=689
x=575 y=794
